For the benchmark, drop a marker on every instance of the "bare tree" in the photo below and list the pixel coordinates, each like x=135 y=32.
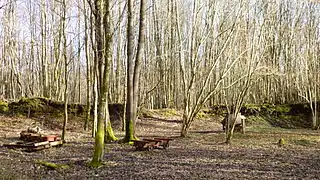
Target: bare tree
x=99 y=137
x=88 y=68
x=109 y=135
x=103 y=39
x=133 y=70
x=195 y=85
x=64 y=39
x=307 y=83
x=44 y=57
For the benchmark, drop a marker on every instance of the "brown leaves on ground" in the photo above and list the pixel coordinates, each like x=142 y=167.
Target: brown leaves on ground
x=202 y=155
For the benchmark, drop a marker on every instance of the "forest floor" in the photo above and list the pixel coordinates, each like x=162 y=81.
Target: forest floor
x=202 y=155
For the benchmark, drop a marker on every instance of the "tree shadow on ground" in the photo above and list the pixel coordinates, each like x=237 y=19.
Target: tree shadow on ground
x=162 y=120
x=154 y=125
x=208 y=132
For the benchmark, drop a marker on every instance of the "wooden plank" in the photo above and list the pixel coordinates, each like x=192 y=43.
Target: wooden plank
x=33 y=146
x=40 y=143
x=50 y=138
x=143 y=145
x=26 y=136
x=56 y=143
x=43 y=145
x=37 y=148
x=162 y=142
x=13 y=145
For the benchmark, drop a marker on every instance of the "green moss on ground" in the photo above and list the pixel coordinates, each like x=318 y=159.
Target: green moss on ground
x=53 y=165
x=251 y=109
x=205 y=113
x=281 y=142
x=4 y=108
x=302 y=142
x=40 y=106
x=219 y=109
x=168 y=112
x=156 y=113
x=145 y=113
x=28 y=106
x=202 y=115
x=289 y=116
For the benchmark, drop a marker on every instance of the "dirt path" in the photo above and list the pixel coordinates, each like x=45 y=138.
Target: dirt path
x=200 y=156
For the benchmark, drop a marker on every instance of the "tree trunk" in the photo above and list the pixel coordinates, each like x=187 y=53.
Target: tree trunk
x=103 y=40
x=102 y=105
x=86 y=46
x=109 y=135
x=134 y=67
x=94 y=76
x=130 y=119
x=44 y=60
x=65 y=71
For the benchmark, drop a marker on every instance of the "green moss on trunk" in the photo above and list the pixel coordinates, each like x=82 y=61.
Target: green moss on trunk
x=129 y=132
x=109 y=135
x=98 y=149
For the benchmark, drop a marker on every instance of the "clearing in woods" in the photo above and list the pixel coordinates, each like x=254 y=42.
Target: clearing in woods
x=202 y=155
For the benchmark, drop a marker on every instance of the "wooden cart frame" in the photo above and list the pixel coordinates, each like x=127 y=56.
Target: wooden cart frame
x=149 y=144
